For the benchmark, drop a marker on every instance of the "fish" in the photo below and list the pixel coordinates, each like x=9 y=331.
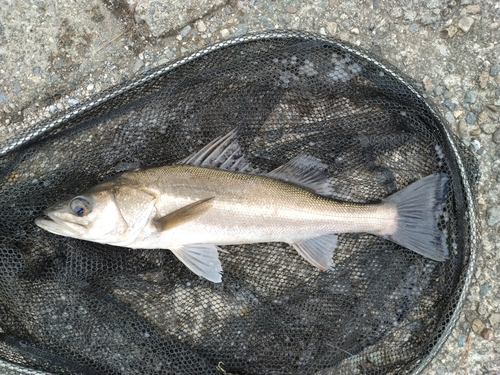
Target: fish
x=215 y=197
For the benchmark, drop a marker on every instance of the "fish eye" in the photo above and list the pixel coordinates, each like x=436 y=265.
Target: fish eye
x=80 y=206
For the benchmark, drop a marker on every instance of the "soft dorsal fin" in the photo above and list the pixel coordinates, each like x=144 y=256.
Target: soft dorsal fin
x=306 y=171
x=222 y=153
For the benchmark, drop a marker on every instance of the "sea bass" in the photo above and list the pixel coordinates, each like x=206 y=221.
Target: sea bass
x=211 y=199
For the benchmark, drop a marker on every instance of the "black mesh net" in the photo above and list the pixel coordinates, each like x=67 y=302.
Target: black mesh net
x=70 y=306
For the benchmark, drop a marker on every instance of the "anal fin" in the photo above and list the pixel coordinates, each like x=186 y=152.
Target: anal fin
x=202 y=259
x=318 y=250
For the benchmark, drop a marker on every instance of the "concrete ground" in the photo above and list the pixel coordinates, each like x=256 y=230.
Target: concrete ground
x=57 y=53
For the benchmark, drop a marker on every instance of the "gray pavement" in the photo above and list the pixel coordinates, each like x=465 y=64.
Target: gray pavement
x=56 y=53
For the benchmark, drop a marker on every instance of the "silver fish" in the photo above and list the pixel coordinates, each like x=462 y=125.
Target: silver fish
x=211 y=199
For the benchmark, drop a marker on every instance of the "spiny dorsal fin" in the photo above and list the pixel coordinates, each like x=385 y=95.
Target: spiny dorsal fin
x=184 y=214
x=306 y=171
x=222 y=153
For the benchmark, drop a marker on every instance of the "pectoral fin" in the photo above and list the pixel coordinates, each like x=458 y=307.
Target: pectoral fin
x=202 y=259
x=318 y=251
x=184 y=214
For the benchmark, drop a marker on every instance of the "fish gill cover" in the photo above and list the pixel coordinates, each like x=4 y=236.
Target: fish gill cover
x=69 y=306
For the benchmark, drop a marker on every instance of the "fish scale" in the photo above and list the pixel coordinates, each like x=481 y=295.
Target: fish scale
x=257 y=208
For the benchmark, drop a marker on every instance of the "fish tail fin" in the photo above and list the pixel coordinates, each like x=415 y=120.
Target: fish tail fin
x=418 y=208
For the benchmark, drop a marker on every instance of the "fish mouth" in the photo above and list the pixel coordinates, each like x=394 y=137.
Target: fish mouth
x=53 y=224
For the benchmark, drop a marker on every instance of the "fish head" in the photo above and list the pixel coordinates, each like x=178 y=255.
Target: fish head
x=106 y=214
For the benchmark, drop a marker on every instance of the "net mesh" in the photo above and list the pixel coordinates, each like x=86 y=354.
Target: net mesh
x=76 y=307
